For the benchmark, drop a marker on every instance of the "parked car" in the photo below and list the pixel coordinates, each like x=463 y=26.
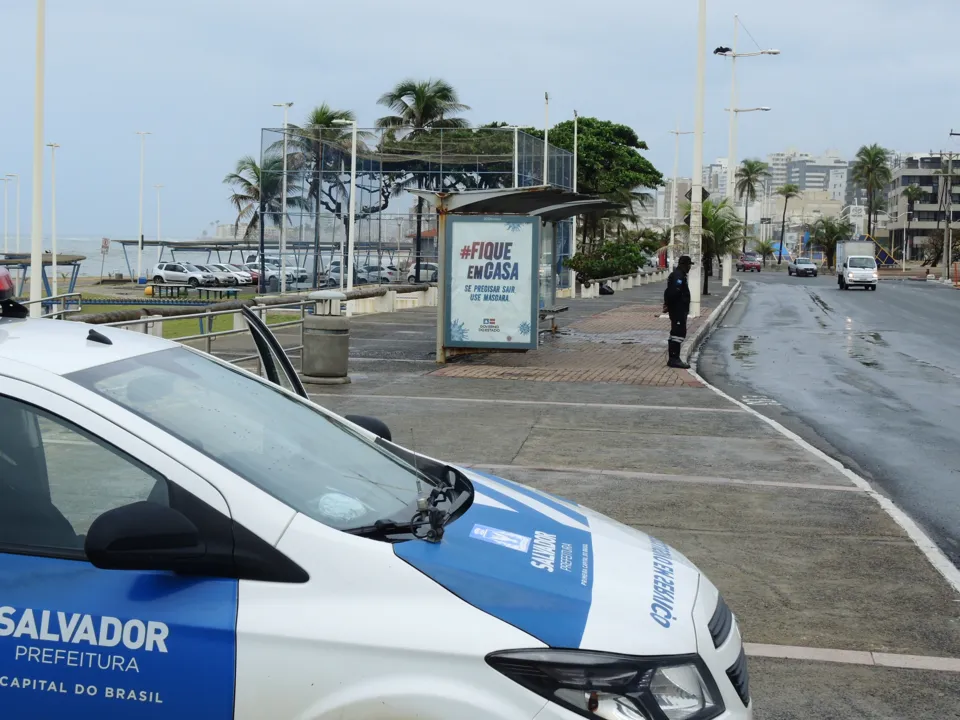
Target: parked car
x=240 y=277
x=802 y=266
x=240 y=551
x=298 y=274
x=223 y=277
x=749 y=263
x=332 y=276
x=253 y=272
x=273 y=275
x=382 y=273
x=425 y=272
x=858 y=271
x=182 y=273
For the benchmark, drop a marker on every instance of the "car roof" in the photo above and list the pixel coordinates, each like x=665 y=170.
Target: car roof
x=62 y=347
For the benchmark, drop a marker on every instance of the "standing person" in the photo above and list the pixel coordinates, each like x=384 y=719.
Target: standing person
x=676 y=302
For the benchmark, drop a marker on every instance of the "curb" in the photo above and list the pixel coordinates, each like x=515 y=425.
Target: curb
x=716 y=316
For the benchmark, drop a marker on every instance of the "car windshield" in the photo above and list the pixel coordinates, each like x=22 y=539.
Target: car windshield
x=862 y=262
x=192 y=268
x=804 y=261
x=302 y=457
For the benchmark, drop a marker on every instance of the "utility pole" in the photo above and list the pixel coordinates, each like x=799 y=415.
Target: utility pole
x=948 y=236
x=696 y=182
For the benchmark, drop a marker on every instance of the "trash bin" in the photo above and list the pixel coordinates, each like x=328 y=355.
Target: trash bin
x=326 y=341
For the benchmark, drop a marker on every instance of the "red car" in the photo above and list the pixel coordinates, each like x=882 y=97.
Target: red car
x=749 y=263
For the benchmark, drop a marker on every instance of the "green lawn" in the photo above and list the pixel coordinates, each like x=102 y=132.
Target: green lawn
x=178 y=328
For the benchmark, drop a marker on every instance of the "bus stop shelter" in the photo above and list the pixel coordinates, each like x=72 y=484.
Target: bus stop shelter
x=502 y=271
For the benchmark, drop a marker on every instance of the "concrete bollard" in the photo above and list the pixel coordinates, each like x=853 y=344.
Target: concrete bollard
x=326 y=341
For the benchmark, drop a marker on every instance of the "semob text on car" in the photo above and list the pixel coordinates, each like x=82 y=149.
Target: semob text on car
x=180 y=538
x=858 y=271
x=802 y=266
x=749 y=263
x=182 y=273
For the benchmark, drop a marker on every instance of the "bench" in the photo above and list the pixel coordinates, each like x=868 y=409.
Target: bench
x=215 y=293
x=170 y=290
x=550 y=313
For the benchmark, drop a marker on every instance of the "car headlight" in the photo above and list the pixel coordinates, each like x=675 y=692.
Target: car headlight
x=615 y=687
x=850 y=276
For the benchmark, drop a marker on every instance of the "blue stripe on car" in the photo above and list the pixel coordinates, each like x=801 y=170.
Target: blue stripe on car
x=544 y=590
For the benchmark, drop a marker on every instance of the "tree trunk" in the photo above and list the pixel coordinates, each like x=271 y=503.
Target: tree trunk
x=745 y=211
x=869 y=214
x=418 y=252
x=706 y=260
x=783 y=230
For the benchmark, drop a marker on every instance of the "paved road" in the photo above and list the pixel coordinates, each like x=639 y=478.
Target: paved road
x=873 y=378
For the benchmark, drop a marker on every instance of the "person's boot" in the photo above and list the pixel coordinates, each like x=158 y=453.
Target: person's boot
x=675 y=361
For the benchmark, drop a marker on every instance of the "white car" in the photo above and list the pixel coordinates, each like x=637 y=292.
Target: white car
x=181 y=538
x=858 y=271
x=273 y=275
x=222 y=277
x=298 y=274
x=237 y=276
x=382 y=273
x=182 y=273
x=427 y=271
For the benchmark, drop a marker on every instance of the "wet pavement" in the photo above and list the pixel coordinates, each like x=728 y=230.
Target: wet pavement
x=871 y=378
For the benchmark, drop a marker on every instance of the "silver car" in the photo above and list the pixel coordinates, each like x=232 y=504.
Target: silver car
x=802 y=266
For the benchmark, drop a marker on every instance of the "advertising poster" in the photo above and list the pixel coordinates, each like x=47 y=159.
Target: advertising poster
x=492 y=285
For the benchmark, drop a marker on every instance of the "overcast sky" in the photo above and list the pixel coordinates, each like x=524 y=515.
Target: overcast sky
x=202 y=76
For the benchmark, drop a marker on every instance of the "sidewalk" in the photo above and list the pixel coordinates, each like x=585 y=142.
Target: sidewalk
x=833 y=598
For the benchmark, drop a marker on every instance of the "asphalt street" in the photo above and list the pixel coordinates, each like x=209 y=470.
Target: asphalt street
x=872 y=378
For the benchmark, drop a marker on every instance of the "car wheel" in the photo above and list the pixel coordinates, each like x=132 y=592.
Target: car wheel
x=814 y=274
x=193 y=282
x=158 y=279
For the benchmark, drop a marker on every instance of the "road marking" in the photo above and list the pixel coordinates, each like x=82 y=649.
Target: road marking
x=497 y=401
x=664 y=477
x=934 y=554
x=853 y=657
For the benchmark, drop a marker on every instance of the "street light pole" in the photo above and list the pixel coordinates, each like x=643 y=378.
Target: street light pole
x=696 y=190
x=16 y=199
x=36 y=226
x=573 y=233
x=351 y=244
x=159 y=246
x=546 y=138
x=516 y=156
x=141 y=278
x=6 y=241
x=732 y=140
x=283 y=201
x=53 y=216
x=671 y=250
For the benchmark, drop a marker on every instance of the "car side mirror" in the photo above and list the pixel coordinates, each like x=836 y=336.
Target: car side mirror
x=143 y=536
x=374 y=425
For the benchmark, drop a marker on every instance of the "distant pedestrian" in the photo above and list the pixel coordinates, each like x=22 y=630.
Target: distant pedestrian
x=676 y=302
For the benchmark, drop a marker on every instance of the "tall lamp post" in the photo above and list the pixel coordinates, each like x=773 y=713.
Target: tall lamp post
x=283 y=201
x=36 y=225
x=53 y=216
x=696 y=179
x=159 y=246
x=673 y=195
x=16 y=209
x=353 y=205
x=576 y=218
x=141 y=278
x=732 y=143
x=6 y=240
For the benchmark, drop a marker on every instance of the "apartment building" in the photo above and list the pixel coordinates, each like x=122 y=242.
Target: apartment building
x=927 y=171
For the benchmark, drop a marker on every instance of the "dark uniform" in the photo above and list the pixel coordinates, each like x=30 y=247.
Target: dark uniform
x=676 y=300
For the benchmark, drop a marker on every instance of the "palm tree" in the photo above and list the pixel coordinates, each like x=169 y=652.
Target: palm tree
x=254 y=185
x=913 y=194
x=310 y=154
x=764 y=249
x=871 y=170
x=421 y=106
x=827 y=232
x=721 y=233
x=787 y=192
x=750 y=174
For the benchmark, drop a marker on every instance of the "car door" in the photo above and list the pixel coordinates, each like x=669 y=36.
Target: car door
x=176 y=273
x=80 y=641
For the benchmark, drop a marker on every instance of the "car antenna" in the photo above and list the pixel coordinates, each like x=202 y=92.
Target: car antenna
x=416 y=466
x=98 y=337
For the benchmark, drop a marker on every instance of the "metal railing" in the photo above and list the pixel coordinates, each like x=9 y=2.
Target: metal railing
x=207 y=318
x=62 y=302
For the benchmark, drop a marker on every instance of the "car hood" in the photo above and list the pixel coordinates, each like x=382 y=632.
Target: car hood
x=567 y=576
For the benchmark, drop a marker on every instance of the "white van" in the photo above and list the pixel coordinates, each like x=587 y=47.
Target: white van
x=857 y=271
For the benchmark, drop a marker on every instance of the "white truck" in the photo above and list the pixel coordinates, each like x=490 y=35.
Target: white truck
x=856 y=265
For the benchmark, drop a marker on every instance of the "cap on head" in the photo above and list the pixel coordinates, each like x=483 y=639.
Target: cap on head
x=685 y=260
